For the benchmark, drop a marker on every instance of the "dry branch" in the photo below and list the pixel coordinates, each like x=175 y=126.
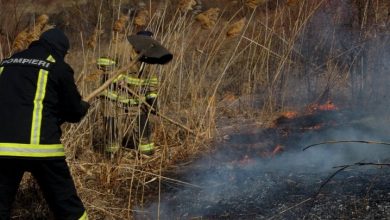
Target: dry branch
x=344 y=141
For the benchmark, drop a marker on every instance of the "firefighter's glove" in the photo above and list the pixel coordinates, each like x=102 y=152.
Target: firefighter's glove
x=152 y=101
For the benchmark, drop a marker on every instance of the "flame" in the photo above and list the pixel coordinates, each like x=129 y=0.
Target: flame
x=328 y=106
x=277 y=150
x=314 y=127
x=289 y=114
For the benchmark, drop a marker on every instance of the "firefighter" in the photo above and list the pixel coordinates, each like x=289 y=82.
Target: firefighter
x=38 y=94
x=122 y=108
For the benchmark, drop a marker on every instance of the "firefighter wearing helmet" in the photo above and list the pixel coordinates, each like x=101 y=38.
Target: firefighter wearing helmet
x=126 y=117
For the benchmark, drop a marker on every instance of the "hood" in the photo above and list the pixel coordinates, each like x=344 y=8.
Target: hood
x=57 y=40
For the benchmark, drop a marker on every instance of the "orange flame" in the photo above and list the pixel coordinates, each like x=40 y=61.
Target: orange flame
x=290 y=114
x=277 y=150
x=328 y=106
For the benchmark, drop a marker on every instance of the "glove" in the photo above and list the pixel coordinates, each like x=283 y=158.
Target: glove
x=152 y=101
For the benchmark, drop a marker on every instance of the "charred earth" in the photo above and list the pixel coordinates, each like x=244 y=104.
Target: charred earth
x=262 y=173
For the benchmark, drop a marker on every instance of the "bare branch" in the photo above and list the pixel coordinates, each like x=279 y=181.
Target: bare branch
x=345 y=141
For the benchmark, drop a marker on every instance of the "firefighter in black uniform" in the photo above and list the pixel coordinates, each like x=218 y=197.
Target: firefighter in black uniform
x=37 y=94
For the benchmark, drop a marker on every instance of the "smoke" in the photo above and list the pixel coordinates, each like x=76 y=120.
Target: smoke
x=262 y=186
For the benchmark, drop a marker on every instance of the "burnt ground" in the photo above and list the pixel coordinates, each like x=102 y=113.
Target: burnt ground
x=246 y=178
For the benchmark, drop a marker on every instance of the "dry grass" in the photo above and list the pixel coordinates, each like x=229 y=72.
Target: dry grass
x=141 y=19
x=186 y=5
x=253 y=56
x=255 y=3
x=93 y=39
x=236 y=28
x=120 y=24
x=32 y=33
x=208 y=18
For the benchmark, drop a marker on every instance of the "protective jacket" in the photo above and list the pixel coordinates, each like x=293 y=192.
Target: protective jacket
x=38 y=89
x=144 y=84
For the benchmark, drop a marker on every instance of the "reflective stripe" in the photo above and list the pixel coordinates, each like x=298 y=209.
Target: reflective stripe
x=120 y=77
x=146 y=147
x=31 y=150
x=105 y=62
x=134 y=81
x=152 y=81
x=51 y=59
x=151 y=95
x=1 y=69
x=113 y=96
x=139 y=82
x=38 y=107
x=84 y=216
x=38 y=104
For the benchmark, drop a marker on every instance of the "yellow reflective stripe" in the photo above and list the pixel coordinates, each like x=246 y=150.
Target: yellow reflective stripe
x=120 y=77
x=1 y=69
x=137 y=81
x=38 y=103
x=134 y=81
x=153 y=81
x=105 y=62
x=146 y=147
x=110 y=94
x=51 y=59
x=151 y=95
x=38 y=107
x=113 y=96
x=84 y=216
x=31 y=150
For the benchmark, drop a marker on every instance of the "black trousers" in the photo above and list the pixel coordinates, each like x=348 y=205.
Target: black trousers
x=54 y=179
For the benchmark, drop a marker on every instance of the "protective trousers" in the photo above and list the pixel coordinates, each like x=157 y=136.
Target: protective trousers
x=54 y=179
x=141 y=132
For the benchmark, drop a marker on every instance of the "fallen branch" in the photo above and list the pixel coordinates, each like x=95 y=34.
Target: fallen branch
x=329 y=178
x=344 y=141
